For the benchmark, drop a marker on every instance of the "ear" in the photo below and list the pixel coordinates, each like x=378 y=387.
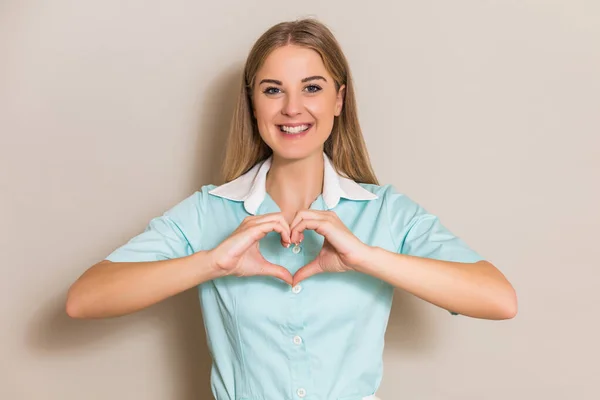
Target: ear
x=339 y=102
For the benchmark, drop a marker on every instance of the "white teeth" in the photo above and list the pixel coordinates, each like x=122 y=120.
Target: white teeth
x=294 y=129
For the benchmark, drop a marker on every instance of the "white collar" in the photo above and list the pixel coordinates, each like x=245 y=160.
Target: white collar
x=251 y=187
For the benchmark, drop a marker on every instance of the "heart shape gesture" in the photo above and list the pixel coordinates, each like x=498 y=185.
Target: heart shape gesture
x=342 y=251
x=239 y=254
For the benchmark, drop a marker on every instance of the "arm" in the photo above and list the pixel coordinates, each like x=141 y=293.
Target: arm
x=477 y=289
x=434 y=264
x=111 y=289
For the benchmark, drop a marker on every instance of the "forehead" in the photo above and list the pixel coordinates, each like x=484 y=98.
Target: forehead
x=292 y=62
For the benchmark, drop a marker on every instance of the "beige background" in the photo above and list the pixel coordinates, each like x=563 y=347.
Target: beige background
x=485 y=112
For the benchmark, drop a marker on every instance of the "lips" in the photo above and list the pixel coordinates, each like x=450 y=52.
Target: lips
x=294 y=128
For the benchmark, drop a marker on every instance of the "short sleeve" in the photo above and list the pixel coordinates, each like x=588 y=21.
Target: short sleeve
x=165 y=237
x=419 y=233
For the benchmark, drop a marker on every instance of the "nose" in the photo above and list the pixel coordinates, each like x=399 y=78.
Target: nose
x=292 y=105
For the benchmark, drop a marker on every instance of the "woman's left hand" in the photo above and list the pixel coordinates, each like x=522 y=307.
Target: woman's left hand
x=341 y=252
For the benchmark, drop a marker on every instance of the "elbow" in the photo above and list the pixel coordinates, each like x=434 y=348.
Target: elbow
x=78 y=300
x=71 y=310
x=504 y=296
x=73 y=305
x=510 y=305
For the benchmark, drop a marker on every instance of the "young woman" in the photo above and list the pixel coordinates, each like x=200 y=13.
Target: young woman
x=296 y=256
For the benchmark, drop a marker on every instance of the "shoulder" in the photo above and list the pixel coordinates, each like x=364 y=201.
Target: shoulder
x=389 y=196
x=397 y=208
x=191 y=206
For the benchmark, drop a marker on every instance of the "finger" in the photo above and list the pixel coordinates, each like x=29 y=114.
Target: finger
x=297 y=218
x=307 y=271
x=277 y=217
x=318 y=225
x=259 y=219
x=286 y=234
x=296 y=234
x=259 y=231
x=269 y=269
x=306 y=214
x=250 y=219
x=295 y=238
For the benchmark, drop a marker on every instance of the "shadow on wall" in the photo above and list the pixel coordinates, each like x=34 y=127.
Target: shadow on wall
x=409 y=329
x=51 y=331
x=214 y=120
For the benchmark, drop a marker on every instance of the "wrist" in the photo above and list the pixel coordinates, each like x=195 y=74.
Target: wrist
x=366 y=256
x=205 y=261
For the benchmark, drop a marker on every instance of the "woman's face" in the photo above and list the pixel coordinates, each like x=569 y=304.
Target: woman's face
x=295 y=101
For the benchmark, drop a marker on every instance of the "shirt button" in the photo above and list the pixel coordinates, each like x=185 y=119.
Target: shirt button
x=301 y=392
x=296 y=249
x=296 y=289
x=297 y=340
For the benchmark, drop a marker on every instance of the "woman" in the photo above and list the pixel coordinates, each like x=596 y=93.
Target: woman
x=303 y=314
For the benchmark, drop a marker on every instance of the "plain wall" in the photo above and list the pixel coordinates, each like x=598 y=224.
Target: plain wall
x=487 y=113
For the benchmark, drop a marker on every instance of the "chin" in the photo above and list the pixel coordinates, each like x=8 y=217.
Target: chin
x=297 y=152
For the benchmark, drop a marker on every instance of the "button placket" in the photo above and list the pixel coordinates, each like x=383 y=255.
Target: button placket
x=300 y=365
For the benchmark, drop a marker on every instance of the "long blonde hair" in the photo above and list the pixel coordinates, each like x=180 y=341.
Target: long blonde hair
x=345 y=146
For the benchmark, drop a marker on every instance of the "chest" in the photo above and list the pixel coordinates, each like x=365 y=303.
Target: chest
x=327 y=296
x=323 y=299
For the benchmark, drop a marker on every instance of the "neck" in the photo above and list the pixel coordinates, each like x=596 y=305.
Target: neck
x=295 y=184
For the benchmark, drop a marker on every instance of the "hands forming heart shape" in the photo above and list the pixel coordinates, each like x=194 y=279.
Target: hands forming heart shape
x=239 y=254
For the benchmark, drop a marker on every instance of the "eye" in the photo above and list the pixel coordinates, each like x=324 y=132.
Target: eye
x=312 y=88
x=271 y=90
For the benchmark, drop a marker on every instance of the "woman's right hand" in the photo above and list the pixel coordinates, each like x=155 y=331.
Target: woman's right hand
x=239 y=254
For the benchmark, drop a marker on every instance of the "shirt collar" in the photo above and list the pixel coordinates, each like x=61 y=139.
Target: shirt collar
x=251 y=187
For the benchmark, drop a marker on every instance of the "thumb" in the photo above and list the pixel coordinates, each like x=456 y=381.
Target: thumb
x=310 y=269
x=270 y=269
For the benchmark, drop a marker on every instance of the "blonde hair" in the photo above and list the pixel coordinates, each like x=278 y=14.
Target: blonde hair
x=345 y=146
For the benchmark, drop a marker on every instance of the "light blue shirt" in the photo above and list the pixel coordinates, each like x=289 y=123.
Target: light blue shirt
x=322 y=339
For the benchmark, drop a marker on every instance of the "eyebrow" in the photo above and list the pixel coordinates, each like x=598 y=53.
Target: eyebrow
x=276 y=82
x=313 y=78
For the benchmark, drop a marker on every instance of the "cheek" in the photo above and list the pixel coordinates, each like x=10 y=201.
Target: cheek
x=322 y=108
x=264 y=110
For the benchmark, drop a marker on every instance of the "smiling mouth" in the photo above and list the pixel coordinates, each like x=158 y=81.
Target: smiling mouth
x=294 y=130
